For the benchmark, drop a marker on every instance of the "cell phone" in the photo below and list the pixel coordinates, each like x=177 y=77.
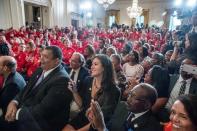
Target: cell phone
x=189 y=69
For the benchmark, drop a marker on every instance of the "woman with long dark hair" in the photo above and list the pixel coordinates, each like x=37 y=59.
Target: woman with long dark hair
x=160 y=79
x=101 y=87
x=89 y=54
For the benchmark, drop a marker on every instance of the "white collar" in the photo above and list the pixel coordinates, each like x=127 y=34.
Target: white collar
x=77 y=70
x=49 y=71
x=138 y=115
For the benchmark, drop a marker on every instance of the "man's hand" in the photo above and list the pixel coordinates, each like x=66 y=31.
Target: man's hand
x=72 y=86
x=11 y=112
x=97 y=116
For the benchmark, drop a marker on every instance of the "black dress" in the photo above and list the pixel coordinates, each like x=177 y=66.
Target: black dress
x=107 y=99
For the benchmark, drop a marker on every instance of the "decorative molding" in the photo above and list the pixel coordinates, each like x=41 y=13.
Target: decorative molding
x=111 y=10
x=40 y=2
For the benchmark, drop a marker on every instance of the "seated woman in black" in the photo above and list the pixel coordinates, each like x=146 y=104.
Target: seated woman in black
x=100 y=87
x=160 y=79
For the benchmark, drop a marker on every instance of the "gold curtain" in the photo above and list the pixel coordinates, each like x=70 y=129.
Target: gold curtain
x=146 y=16
x=133 y=21
x=166 y=17
x=115 y=13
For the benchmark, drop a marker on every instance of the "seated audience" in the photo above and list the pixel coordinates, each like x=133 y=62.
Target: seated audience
x=134 y=115
x=77 y=73
x=100 y=87
x=67 y=50
x=89 y=54
x=31 y=59
x=111 y=50
x=149 y=45
x=143 y=53
x=167 y=64
x=13 y=84
x=20 y=55
x=185 y=83
x=158 y=59
x=146 y=64
x=159 y=78
x=120 y=76
x=4 y=51
x=132 y=68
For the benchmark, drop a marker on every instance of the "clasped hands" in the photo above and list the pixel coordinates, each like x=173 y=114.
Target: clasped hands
x=95 y=116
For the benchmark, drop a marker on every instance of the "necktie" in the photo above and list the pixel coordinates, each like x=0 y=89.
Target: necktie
x=128 y=125
x=183 y=87
x=40 y=79
x=73 y=75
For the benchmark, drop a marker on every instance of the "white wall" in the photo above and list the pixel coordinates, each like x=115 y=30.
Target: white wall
x=55 y=12
x=5 y=21
x=58 y=12
x=156 y=8
x=98 y=14
x=11 y=14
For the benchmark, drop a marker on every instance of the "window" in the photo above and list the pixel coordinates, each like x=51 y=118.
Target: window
x=140 y=20
x=174 y=22
x=111 y=20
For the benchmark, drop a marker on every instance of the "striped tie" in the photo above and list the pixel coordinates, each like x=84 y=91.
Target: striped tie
x=183 y=87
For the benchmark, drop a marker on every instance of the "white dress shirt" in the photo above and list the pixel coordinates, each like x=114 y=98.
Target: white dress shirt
x=176 y=89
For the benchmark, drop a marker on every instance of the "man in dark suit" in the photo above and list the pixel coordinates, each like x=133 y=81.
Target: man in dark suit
x=44 y=105
x=78 y=73
x=13 y=83
x=133 y=115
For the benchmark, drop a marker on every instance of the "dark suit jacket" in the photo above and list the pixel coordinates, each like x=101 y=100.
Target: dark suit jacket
x=13 y=84
x=146 y=122
x=193 y=85
x=47 y=106
x=83 y=73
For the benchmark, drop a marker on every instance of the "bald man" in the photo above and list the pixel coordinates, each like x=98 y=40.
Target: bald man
x=13 y=83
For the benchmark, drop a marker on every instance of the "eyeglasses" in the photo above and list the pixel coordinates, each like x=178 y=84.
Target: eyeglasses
x=134 y=97
x=74 y=61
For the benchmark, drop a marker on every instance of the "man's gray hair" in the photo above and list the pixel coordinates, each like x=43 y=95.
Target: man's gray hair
x=81 y=58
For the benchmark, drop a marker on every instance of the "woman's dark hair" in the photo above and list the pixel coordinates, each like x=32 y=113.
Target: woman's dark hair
x=190 y=104
x=160 y=78
x=117 y=57
x=127 y=48
x=145 y=51
x=91 y=50
x=136 y=55
x=192 y=39
x=159 y=57
x=4 y=49
x=108 y=74
x=191 y=51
